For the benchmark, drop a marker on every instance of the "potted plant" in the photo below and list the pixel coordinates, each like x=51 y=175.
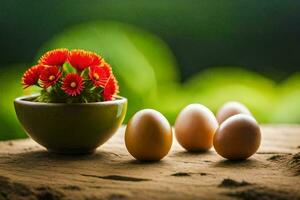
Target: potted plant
x=77 y=108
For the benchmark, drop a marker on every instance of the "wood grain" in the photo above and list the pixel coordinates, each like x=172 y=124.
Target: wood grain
x=28 y=171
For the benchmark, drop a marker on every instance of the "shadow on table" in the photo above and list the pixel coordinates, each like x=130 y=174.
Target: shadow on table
x=192 y=153
x=166 y=161
x=33 y=159
x=245 y=164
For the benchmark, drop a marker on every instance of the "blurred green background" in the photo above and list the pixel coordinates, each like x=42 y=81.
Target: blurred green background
x=165 y=54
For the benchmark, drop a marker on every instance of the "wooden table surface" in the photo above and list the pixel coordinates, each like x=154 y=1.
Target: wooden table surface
x=28 y=171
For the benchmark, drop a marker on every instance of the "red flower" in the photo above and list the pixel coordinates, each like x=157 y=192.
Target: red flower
x=97 y=60
x=100 y=75
x=49 y=76
x=72 y=84
x=56 y=57
x=111 y=88
x=81 y=59
x=31 y=76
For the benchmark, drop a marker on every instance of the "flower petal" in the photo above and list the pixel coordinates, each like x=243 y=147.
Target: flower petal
x=31 y=76
x=56 y=57
x=81 y=59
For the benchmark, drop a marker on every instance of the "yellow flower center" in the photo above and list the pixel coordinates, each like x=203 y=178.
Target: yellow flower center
x=96 y=76
x=51 y=78
x=73 y=84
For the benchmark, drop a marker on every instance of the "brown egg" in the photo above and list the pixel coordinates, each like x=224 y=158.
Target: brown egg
x=148 y=135
x=238 y=137
x=194 y=128
x=231 y=108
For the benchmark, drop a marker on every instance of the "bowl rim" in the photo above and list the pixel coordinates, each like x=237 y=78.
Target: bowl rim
x=22 y=100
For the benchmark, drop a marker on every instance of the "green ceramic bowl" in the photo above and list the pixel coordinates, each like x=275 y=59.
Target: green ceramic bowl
x=76 y=128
